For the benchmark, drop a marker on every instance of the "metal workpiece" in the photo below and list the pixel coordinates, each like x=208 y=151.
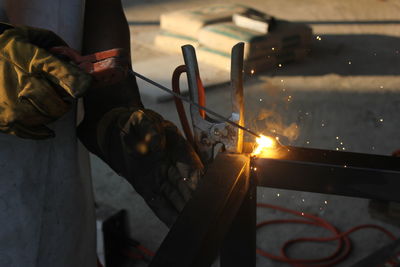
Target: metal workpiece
x=237 y=92
x=198 y=234
x=239 y=245
x=331 y=172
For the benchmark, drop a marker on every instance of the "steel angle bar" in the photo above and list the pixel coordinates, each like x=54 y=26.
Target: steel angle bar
x=331 y=172
x=239 y=245
x=197 y=235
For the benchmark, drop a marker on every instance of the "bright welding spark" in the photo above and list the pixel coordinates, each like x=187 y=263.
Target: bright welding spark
x=349 y=62
x=278 y=195
x=279 y=65
x=337 y=137
x=381 y=86
x=326 y=202
x=381 y=120
x=318 y=38
x=264 y=147
x=252 y=71
x=273 y=48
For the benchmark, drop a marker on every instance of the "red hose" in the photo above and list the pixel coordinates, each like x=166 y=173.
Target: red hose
x=179 y=105
x=342 y=251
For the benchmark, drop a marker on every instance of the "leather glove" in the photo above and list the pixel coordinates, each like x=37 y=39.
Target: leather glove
x=167 y=168
x=152 y=155
x=36 y=87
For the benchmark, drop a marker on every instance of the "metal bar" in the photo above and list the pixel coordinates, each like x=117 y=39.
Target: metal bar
x=239 y=246
x=237 y=91
x=197 y=235
x=332 y=172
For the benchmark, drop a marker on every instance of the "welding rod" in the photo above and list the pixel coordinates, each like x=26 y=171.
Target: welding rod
x=193 y=103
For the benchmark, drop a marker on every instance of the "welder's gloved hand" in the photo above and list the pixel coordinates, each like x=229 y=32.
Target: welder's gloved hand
x=36 y=87
x=176 y=177
x=152 y=155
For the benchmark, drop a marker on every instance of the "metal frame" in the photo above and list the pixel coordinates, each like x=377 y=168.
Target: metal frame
x=221 y=216
x=332 y=172
x=198 y=234
x=220 y=219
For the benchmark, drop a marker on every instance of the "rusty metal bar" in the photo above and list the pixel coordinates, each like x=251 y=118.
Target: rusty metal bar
x=332 y=172
x=197 y=236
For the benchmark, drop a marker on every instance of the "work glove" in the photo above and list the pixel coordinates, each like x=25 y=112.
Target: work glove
x=36 y=87
x=145 y=149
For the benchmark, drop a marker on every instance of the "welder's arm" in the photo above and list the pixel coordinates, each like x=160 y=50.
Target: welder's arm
x=137 y=143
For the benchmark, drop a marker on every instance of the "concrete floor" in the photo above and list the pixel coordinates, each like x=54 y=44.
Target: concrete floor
x=357 y=102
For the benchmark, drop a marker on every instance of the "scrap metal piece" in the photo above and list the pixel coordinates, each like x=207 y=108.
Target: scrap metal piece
x=332 y=172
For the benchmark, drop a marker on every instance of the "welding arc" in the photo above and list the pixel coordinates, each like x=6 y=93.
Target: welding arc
x=193 y=103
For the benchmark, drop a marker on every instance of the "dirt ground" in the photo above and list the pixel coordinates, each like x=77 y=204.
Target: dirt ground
x=348 y=87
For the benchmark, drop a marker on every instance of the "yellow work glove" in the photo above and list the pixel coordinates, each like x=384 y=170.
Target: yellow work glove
x=36 y=87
